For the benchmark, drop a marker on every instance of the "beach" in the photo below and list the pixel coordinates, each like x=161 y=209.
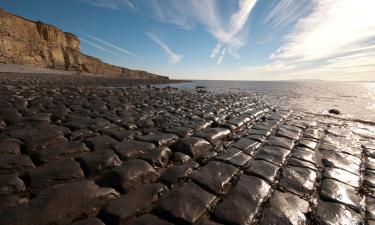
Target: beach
x=85 y=149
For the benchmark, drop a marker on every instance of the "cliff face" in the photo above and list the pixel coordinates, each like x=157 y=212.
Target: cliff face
x=26 y=42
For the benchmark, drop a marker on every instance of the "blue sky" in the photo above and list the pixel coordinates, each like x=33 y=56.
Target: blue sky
x=221 y=39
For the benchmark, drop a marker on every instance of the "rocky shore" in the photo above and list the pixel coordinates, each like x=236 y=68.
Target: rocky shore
x=75 y=150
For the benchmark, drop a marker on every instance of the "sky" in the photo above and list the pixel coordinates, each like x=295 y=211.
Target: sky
x=220 y=39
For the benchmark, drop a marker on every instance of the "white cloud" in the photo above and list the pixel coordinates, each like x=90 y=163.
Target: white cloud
x=97 y=46
x=109 y=4
x=111 y=45
x=174 y=58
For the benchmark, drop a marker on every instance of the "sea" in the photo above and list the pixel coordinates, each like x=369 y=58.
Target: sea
x=354 y=100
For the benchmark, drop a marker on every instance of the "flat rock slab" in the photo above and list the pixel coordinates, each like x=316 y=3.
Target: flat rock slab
x=300 y=181
x=263 y=169
x=282 y=142
x=240 y=160
x=10 y=163
x=215 y=176
x=329 y=213
x=134 y=174
x=38 y=143
x=192 y=146
x=102 y=142
x=308 y=144
x=133 y=203
x=158 y=157
x=342 y=161
x=303 y=154
x=61 y=151
x=243 y=202
x=148 y=219
x=178 y=173
x=301 y=163
x=63 y=204
x=53 y=173
x=342 y=176
x=286 y=209
x=227 y=154
x=94 y=162
x=132 y=149
x=160 y=138
x=186 y=204
x=339 y=192
x=247 y=145
x=273 y=154
x=214 y=134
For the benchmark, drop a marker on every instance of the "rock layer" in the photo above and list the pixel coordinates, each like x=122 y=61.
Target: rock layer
x=34 y=43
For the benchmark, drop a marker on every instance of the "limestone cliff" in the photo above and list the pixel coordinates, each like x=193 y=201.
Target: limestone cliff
x=27 y=42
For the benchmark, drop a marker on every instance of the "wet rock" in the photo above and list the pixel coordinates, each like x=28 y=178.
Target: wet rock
x=263 y=169
x=133 y=203
x=53 y=173
x=10 y=163
x=62 y=203
x=273 y=154
x=300 y=181
x=180 y=158
x=197 y=126
x=103 y=142
x=89 y=221
x=158 y=157
x=227 y=154
x=82 y=134
x=290 y=132
x=206 y=157
x=303 y=154
x=247 y=145
x=61 y=151
x=186 y=204
x=342 y=161
x=285 y=208
x=178 y=173
x=281 y=142
x=369 y=178
x=239 y=121
x=99 y=160
x=181 y=131
x=9 y=201
x=135 y=173
x=10 y=146
x=265 y=133
x=147 y=219
x=243 y=202
x=259 y=138
x=340 y=192
x=192 y=146
x=334 y=111
x=370 y=210
x=308 y=144
x=215 y=176
x=214 y=134
x=342 y=176
x=38 y=143
x=132 y=149
x=10 y=184
x=240 y=160
x=369 y=149
x=329 y=213
x=160 y=139
x=301 y=163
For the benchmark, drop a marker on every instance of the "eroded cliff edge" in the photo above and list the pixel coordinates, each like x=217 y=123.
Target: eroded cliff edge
x=26 y=42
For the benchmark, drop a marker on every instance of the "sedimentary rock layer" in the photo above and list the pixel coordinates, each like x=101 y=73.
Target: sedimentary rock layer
x=34 y=43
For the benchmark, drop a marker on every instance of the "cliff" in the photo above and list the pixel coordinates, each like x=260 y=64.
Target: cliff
x=26 y=42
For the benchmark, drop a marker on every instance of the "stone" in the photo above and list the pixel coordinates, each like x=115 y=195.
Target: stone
x=53 y=173
x=273 y=154
x=281 y=142
x=206 y=157
x=197 y=126
x=9 y=201
x=186 y=204
x=178 y=173
x=334 y=111
x=133 y=203
x=239 y=121
x=369 y=178
x=135 y=173
x=10 y=146
x=215 y=176
x=10 y=163
x=330 y=213
x=38 y=143
x=60 y=152
x=228 y=154
x=301 y=163
x=99 y=160
x=305 y=155
x=63 y=204
x=192 y=146
x=265 y=133
x=132 y=149
x=308 y=144
x=158 y=157
x=340 y=192
x=300 y=181
x=102 y=142
x=148 y=219
x=342 y=176
x=290 y=132
x=247 y=145
x=286 y=209
x=243 y=202
x=89 y=221
x=180 y=158
x=341 y=160
x=241 y=160
x=370 y=210
x=181 y=131
x=160 y=139
x=10 y=184
x=214 y=134
x=263 y=169
x=79 y=135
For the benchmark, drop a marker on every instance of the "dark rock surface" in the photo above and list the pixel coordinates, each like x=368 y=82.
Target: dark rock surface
x=174 y=157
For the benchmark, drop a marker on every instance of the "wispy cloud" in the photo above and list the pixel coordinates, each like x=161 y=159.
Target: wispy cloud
x=109 y=4
x=337 y=37
x=111 y=45
x=174 y=58
x=96 y=46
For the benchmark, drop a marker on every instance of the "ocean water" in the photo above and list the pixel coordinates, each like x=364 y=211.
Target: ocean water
x=355 y=100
